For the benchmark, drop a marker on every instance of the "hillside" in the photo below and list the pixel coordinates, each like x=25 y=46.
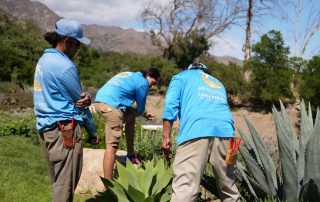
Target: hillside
x=105 y=38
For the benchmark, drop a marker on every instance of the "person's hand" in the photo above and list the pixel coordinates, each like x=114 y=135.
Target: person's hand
x=85 y=101
x=148 y=115
x=166 y=147
x=95 y=140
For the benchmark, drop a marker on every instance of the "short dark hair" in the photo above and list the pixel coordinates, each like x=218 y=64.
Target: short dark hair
x=53 y=38
x=152 y=72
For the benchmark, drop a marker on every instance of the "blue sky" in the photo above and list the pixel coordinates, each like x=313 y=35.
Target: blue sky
x=124 y=13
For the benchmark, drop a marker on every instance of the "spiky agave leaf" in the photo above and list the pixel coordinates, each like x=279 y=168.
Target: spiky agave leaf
x=251 y=156
x=306 y=124
x=250 y=146
x=287 y=152
x=312 y=166
x=267 y=163
x=116 y=189
x=243 y=174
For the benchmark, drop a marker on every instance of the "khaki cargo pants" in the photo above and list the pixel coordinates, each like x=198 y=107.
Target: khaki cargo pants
x=64 y=165
x=115 y=119
x=189 y=163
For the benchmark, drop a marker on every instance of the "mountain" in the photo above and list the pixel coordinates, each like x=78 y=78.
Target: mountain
x=226 y=59
x=34 y=11
x=105 y=38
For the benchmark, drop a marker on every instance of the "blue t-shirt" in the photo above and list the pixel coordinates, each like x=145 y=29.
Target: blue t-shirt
x=200 y=102
x=123 y=90
x=56 y=89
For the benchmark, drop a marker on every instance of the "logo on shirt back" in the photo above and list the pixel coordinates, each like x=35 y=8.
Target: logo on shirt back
x=211 y=82
x=37 y=83
x=124 y=75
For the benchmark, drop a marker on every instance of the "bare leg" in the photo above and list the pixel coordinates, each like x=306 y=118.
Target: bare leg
x=108 y=162
x=129 y=132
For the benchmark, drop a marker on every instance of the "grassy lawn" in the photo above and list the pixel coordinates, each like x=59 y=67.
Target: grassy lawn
x=23 y=173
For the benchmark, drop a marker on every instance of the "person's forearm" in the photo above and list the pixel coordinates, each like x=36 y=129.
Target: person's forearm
x=167 y=128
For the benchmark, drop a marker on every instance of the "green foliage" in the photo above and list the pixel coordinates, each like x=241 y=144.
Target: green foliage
x=20 y=48
x=310 y=88
x=148 y=143
x=18 y=124
x=97 y=68
x=270 y=67
x=299 y=159
x=148 y=182
x=184 y=49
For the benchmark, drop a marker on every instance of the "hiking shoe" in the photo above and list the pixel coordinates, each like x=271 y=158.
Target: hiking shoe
x=134 y=159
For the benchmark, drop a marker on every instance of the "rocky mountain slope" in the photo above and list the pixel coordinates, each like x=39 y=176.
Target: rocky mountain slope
x=105 y=38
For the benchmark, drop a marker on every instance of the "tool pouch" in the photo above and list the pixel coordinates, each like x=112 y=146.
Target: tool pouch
x=67 y=133
x=234 y=145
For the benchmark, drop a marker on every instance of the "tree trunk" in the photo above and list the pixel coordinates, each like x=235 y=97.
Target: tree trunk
x=248 y=32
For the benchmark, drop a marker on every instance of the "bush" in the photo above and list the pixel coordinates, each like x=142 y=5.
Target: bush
x=146 y=143
x=310 y=88
x=20 y=124
x=270 y=67
x=149 y=182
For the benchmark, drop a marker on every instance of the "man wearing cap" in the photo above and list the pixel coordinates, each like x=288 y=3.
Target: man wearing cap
x=206 y=124
x=59 y=105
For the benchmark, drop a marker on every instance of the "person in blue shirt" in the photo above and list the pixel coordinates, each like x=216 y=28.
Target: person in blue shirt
x=114 y=102
x=206 y=124
x=60 y=106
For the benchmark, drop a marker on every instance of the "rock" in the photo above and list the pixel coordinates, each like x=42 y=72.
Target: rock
x=90 y=181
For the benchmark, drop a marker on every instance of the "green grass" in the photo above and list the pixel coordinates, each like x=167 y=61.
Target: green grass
x=23 y=173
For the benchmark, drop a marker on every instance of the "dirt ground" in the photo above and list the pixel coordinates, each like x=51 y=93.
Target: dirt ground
x=263 y=122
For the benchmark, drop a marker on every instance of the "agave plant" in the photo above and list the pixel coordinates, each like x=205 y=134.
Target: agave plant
x=149 y=182
x=298 y=176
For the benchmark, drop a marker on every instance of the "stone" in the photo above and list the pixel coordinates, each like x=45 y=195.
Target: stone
x=90 y=182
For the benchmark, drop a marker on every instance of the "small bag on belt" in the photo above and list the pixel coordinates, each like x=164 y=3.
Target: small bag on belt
x=234 y=145
x=67 y=133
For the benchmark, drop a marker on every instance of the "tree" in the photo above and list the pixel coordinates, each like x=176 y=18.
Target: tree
x=20 y=48
x=186 y=49
x=257 y=9
x=176 y=24
x=306 y=27
x=270 y=67
x=310 y=88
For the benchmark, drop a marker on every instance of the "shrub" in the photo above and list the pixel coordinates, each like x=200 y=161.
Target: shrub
x=149 y=182
x=297 y=178
x=309 y=89
x=270 y=67
x=20 y=124
x=146 y=143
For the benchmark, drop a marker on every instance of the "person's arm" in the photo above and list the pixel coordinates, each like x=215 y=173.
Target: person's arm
x=141 y=97
x=170 y=112
x=89 y=126
x=166 y=137
x=85 y=100
x=71 y=83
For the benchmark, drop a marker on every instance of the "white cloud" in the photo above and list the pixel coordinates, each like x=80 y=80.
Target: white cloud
x=122 y=13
